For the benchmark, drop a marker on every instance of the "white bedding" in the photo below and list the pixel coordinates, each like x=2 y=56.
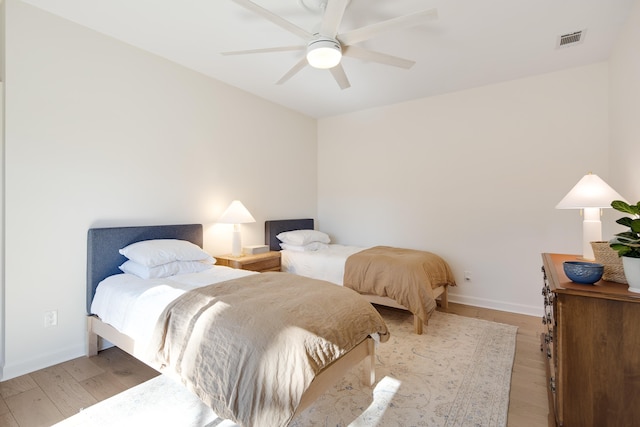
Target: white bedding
x=132 y=305
x=324 y=264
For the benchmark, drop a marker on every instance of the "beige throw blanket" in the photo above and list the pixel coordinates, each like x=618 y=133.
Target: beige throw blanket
x=404 y=275
x=250 y=347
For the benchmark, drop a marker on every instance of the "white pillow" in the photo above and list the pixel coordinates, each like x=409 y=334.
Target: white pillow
x=310 y=247
x=151 y=253
x=164 y=270
x=303 y=237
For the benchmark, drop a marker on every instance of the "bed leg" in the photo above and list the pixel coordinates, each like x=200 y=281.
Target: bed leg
x=92 y=338
x=444 y=298
x=370 y=364
x=417 y=325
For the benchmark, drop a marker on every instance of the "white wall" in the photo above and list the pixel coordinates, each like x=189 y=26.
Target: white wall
x=473 y=176
x=2 y=299
x=625 y=108
x=99 y=133
x=2 y=315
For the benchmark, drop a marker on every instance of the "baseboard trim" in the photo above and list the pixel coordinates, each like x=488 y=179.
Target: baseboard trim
x=41 y=362
x=529 y=310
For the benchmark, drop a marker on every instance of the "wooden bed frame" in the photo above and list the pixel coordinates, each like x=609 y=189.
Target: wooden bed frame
x=275 y=227
x=103 y=260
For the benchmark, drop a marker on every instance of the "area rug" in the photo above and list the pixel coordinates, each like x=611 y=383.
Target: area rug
x=458 y=373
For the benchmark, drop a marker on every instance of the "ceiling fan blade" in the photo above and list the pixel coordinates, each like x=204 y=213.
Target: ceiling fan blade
x=341 y=77
x=264 y=50
x=382 y=58
x=370 y=31
x=281 y=22
x=293 y=71
x=333 y=17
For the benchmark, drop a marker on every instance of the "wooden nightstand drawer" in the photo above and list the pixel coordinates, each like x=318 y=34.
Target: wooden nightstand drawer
x=269 y=261
x=267 y=264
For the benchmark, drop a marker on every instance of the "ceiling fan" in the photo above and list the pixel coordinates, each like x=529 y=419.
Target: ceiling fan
x=326 y=47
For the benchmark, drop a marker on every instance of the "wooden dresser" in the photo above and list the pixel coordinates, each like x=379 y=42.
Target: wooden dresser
x=592 y=344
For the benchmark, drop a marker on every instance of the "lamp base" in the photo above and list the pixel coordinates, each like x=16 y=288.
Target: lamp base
x=591 y=232
x=236 y=245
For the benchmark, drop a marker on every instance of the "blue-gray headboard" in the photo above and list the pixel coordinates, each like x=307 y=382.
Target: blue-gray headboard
x=275 y=227
x=103 y=245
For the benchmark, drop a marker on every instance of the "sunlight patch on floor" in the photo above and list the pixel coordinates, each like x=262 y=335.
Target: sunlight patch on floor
x=383 y=394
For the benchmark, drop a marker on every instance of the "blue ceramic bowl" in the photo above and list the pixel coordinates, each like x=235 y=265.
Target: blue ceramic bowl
x=586 y=273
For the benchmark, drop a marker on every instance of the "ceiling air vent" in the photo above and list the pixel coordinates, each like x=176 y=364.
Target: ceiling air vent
x=571 y=39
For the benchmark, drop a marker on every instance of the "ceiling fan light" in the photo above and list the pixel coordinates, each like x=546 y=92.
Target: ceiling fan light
x=324 y=53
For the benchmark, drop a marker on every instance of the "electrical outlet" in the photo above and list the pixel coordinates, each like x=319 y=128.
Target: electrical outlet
x=50 y=318
x=467 y=276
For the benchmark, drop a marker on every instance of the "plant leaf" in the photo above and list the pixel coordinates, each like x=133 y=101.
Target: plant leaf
x=621 y=249
x=626 y=221
x=621 y=206
x=627 y=236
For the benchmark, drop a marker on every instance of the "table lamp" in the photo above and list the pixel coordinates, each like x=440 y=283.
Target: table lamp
x=236 y=214
x=590 y=194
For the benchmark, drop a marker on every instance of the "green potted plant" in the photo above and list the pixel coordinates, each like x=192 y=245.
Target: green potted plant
x=627 y=243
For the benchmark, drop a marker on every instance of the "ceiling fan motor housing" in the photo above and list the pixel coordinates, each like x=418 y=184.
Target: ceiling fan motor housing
x=324 y=52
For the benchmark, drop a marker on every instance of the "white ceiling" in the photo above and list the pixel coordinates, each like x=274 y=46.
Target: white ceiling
x=472 y=43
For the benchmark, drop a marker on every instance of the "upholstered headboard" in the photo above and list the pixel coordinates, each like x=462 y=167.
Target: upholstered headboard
x=103 y=245
x=275 y=227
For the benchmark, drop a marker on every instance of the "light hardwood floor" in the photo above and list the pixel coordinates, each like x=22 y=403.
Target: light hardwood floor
x=44 y=397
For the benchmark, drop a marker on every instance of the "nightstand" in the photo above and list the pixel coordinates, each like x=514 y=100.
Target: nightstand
x=268 y=261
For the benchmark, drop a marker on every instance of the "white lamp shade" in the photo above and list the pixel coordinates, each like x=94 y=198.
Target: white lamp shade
x=590 y=192
x=236 y=213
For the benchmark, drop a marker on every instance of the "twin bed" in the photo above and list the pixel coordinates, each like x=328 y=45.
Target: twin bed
x=257 y=347
x=394 y=277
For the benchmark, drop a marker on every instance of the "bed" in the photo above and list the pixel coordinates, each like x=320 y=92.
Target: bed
x=273 y=391
x=353 y=266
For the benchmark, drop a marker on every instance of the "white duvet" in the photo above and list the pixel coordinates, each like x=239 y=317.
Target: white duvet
x=324 y=264
x=133 y=305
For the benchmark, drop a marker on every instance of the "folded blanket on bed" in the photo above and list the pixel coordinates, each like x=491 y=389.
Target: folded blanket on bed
x=405 y=275
x=250 y=347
